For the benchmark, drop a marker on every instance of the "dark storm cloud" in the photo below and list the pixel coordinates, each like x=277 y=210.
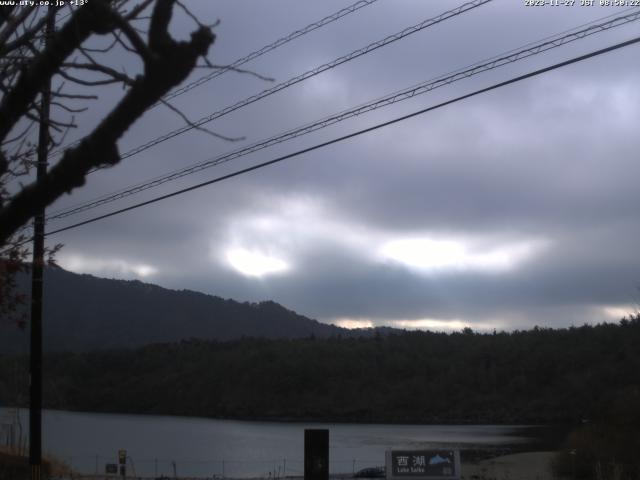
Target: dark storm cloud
x=550 y=161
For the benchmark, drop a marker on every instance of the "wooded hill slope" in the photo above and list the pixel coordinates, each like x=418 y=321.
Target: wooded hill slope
x=83 y=312
x=537 y=376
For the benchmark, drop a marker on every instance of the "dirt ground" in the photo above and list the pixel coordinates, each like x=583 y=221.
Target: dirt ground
x=518 y=466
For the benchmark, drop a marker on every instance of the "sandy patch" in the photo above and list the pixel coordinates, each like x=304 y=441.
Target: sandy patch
x=518 y=466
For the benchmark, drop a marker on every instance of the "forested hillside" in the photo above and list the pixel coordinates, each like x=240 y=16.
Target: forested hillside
x=83 y=312
x=536 y=376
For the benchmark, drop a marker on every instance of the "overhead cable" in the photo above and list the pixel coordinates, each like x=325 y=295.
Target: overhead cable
x=310 y=73
x=353 y=134
x=272 y=46
x=255 y=54
x=446 y=79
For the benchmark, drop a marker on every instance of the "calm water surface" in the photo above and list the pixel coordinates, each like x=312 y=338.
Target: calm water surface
x=205 y=447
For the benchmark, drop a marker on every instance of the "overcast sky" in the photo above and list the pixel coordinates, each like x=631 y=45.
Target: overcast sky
x=515 y=208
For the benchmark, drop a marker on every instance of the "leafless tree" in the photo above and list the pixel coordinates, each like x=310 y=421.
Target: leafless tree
x=78 y=58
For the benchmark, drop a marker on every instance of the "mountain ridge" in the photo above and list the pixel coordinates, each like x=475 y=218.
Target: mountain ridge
x=83 y=312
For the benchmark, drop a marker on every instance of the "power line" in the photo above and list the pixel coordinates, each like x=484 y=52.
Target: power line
x=308 y=74
x=355 y=54
x=253 y=55
x=425 y=87
x=353 y=134
x=272 y=46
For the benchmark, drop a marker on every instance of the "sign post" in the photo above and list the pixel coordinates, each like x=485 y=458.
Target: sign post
x=122 y=460
x=423 y=464
x=316 y=454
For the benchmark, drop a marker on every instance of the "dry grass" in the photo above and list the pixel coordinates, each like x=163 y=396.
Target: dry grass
x=14 y=465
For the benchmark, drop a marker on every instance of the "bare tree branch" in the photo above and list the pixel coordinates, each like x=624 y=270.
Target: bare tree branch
x=5 y=14
x=76 y=96
x=93 y=17
x=66 y=108
x=123 y=44
x=197 y=127
x=114 y=74
x=133 y=36
x=138 y=10
x=168 y=64
x=12 y=24
x=239 y=70
x=87 y=83
x=27 y=36
x=101 y=50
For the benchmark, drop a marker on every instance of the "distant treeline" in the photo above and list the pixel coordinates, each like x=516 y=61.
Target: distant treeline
x=536 y=376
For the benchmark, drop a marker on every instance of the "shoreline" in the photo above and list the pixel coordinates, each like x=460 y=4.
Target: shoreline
x=527 y=464
x=310 y=420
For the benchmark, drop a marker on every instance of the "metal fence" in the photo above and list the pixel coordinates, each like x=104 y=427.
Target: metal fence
x=276 y=468
x=93 y=468
x=12 y=436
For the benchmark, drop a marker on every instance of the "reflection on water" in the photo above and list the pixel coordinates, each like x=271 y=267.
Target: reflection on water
x=204 y=447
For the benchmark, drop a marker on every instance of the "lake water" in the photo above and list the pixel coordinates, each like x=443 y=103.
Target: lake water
x=205 y=447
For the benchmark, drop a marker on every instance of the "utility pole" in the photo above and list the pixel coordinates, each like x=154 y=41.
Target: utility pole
x=37 y=266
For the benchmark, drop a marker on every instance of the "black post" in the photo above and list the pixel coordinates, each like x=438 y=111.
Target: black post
x=316 y=454
x=35 y=367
